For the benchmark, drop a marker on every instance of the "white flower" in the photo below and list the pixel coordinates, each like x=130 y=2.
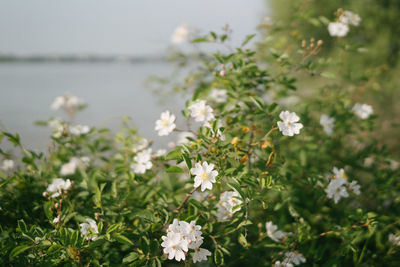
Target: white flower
x=350 y=18
x=57 y=127
x=394 y=239
x=199 y=196
x=191 y=231
x=175 y=226
x=166 y=124
x=68 y=102
x=394 y=165
x=228 y=205
x=142 y=161
x=355 y=187
x=336 y=189
x=89 y=228
x=160 y=153
x=79 y=129
x=289 y=125
x=183 y=138
x=8 y=164
x=369 y=161
x=140 y=145
x=204 y=175
x=339 y=173
x=180 y=35
x=83 y=161
x=294 y=257
x=218 y=95
x=175 y=246
x=223 y=214
x=363 y=111
x=274 y=233
x=56 y=220
x=69 y=168
x=200 y=111
x=57 y=186
x=327 y=122
x=338 y=29
x=58 y=102
x=200 y=254
x=283 y=264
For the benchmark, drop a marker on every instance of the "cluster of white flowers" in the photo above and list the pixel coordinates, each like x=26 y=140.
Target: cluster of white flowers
x=218 y=95
x=166 y=124
x=7 y=165
x=142 y=161
x=69 y=103
x=291 y=259
x=79 y=129
x=328 y=123
x=394 y=239
x=363 y=111
x=89 y=229
x=228 y=204
x=337 y=186
x=57 y=126
x=201 y=112
x=341 y=27
x=57 y=187
x=180 y=34
x=204 y=175
x=182 y=236
x=274 y=233
x=74 y=163
x=289 y=125
x=350 y=18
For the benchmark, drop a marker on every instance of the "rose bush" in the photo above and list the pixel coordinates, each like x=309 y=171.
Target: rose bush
x=258 y=177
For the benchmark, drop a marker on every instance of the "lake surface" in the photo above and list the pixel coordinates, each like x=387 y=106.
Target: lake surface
x=110 y=89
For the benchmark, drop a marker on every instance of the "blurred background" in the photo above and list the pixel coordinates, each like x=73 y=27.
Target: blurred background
x=101 y=51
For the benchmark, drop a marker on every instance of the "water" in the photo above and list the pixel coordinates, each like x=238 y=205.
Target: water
x=110 y=89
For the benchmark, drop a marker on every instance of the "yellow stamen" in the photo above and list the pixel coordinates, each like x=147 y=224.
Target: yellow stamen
x=204 y=176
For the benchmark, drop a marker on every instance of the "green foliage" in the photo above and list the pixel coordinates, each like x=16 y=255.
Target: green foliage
x=367 y=59
x=274 y=178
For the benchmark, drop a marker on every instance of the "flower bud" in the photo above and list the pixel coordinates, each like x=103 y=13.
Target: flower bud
x=45 y=194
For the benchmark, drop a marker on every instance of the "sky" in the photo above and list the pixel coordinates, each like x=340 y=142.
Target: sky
x=116 y=27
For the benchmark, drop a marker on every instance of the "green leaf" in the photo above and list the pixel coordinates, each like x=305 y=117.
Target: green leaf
x=248 y=38
x=174 y=155
x=122 y=239
x=273 y=107
x=130 y=257
x=187 y=160
x=174 y=169
x=242 y=240
x=22 y=226
x=218 y=257
x=18 y=250
x=328 y=75
x=74 y=238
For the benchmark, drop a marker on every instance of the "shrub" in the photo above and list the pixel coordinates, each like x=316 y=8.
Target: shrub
x=255 y=178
